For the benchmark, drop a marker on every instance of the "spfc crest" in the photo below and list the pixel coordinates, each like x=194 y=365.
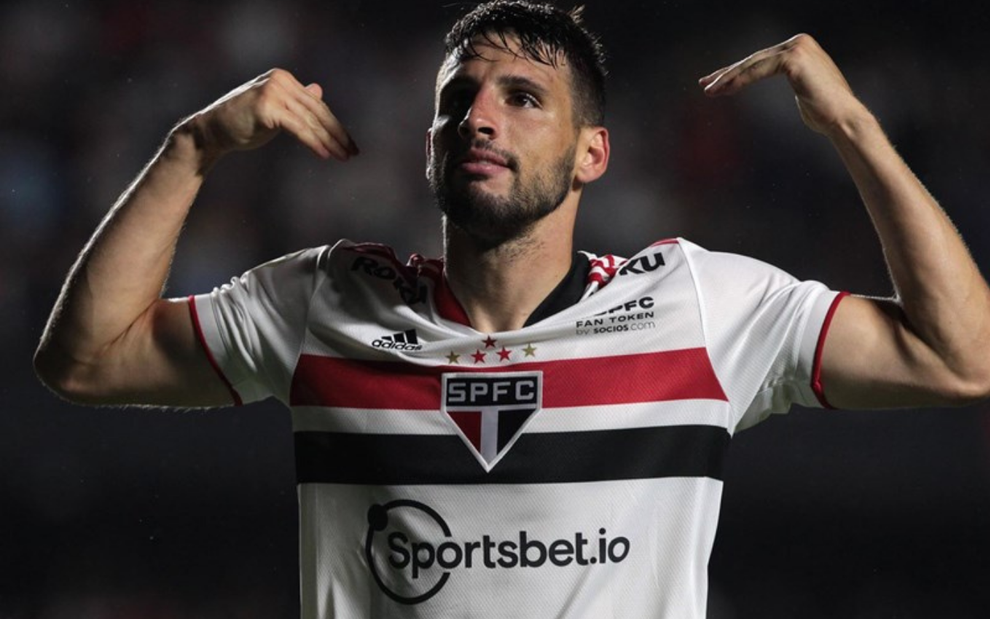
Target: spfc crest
x=491 y=409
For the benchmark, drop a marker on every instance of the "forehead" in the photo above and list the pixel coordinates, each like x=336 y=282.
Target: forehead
x=487 y=54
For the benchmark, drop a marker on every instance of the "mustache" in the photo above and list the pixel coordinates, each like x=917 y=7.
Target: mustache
x=511 y=161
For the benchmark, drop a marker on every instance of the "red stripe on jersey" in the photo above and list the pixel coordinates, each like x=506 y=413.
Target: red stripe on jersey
x=209 y=354
x=447 y=304
x=666 y=242
x=626 y=379
x=428 y=267
x=816 y=368
x=603 y=269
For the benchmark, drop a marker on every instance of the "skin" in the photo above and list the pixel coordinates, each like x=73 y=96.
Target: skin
x=523 y=108
x=928 y=345
x=466 y=152
x=113 y=339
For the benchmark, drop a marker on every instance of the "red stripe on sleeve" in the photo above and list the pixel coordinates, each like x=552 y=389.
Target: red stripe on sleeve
x=652 y=377
x=816 y=369
x=209 y=354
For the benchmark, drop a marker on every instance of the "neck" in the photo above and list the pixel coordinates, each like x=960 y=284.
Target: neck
x=500 y=287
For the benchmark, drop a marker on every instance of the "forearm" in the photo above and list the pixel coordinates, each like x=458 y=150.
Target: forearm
x=122 y=270
x=943 y=296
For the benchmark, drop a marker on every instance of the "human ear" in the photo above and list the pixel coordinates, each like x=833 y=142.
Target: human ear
x=593 y=154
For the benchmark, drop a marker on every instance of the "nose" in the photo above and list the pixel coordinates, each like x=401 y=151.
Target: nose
x=480 y=120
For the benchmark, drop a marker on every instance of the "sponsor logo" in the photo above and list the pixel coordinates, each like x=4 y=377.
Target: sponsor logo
x=645 y=303
x=406 y=340
x=412 y=552
x=406 y=288
x=636 y=315
x=490 y=410
x=643 y=264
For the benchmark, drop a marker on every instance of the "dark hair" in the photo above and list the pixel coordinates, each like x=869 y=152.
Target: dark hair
x=544 y=33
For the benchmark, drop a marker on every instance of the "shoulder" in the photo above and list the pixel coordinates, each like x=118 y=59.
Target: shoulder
x=731 y=270
x=374 y=267
x=372 y=258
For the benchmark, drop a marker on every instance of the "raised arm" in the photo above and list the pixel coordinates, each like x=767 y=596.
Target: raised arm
x=930 y=345
x=111 y=337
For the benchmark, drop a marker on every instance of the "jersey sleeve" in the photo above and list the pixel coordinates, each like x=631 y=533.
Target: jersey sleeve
x=253 y=327
x=764 y=331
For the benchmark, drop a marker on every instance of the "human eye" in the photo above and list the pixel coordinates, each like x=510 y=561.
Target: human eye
x=522 y=98
x=455 y=101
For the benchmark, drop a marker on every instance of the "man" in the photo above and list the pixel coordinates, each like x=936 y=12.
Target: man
x=517 y=430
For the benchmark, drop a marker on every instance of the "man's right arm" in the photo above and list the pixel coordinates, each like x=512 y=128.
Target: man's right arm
x=112 y=338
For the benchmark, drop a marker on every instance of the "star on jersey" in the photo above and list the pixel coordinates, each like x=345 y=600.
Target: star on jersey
x=480 y=355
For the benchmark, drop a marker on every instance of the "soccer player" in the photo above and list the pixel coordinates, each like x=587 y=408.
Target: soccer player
x=518 y=429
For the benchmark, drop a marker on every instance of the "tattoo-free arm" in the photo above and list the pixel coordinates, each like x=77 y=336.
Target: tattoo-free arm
x=112 y=338
x=930 y=344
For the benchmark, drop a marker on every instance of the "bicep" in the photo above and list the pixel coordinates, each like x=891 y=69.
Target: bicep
x=158 y=361
x=872 y=359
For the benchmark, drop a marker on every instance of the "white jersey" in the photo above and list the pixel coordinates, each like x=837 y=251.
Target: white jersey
x=571 y=468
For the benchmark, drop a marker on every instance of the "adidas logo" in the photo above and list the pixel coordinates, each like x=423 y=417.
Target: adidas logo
x=405 y=340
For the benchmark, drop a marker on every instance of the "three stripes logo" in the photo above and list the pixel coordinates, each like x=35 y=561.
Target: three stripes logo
x=490 y=410
x=405 y=340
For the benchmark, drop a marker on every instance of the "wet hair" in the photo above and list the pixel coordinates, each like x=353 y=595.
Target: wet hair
x=545 y=34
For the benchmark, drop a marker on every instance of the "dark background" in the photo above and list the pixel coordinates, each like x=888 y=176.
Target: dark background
x=115 y=513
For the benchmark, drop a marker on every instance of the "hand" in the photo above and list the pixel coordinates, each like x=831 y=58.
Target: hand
x=824 y=98
x=254 y=113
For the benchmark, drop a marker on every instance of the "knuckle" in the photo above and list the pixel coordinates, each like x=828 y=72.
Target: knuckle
x=269 y=92
x=803 y=42
x=279 y=76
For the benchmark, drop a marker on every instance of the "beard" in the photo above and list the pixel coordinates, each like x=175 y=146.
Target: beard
x=494 y=220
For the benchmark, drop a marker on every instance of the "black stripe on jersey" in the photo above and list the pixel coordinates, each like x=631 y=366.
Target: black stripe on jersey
x=536 y=458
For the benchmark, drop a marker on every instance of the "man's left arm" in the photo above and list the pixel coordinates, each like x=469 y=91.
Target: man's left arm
x=930 y=345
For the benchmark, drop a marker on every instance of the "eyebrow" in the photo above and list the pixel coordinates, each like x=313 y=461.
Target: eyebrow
x=524 y=83
x=504 y=81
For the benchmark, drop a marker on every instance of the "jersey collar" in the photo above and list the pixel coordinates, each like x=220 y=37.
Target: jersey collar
x=568 y=292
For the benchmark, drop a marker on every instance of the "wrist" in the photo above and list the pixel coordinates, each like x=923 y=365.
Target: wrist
x=853 y=125
x=190 y=141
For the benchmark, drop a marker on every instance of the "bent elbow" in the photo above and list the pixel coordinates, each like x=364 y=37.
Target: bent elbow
x=971 y=388
x=62 y=376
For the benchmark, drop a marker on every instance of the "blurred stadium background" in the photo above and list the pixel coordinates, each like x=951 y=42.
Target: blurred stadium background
x=119 y=513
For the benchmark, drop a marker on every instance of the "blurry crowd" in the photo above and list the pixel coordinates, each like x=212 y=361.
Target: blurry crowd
x=140 y=513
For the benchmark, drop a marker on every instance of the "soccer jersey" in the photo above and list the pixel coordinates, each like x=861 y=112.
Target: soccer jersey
x=571 y=468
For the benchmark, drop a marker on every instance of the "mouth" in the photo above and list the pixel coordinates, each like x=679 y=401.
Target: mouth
x=484 y=162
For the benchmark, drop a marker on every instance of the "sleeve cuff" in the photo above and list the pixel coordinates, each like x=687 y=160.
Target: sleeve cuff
x=208 y=334
x=822 y=315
